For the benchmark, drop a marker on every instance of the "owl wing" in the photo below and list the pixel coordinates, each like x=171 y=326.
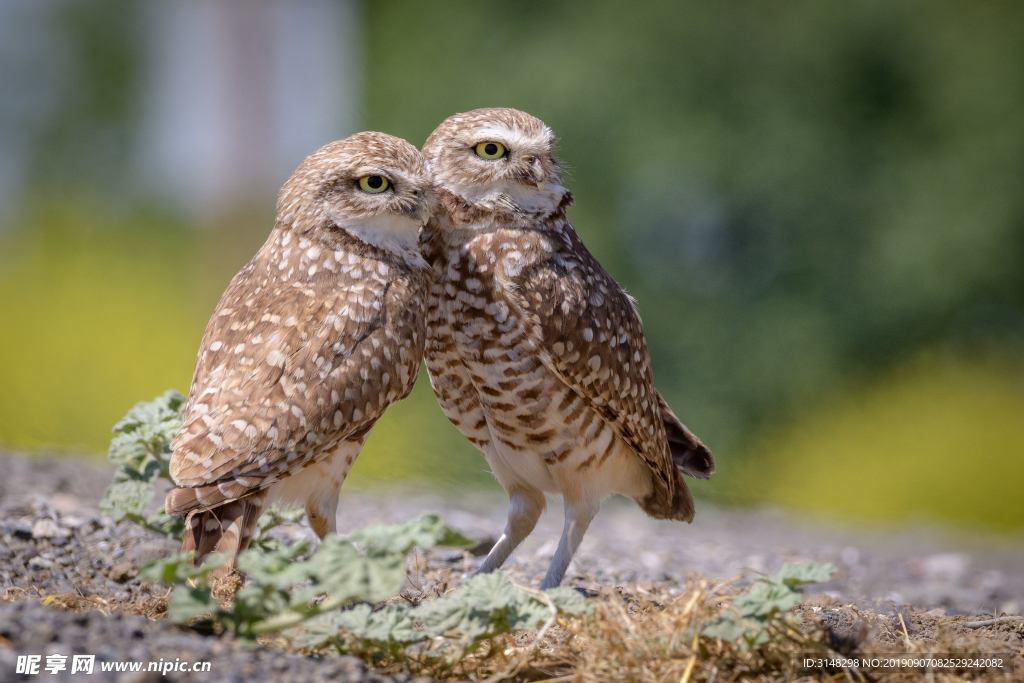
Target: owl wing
x=285 y=374
x=592 y=338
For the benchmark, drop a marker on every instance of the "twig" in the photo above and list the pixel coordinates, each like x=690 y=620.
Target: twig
x=906 y=636
x=693 y=601
x=693 y=657
x=991 y=622
x=416 y=567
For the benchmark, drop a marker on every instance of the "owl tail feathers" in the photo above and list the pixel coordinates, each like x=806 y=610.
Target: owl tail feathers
x=660 y=505
x=690 y=456
x=227 y=529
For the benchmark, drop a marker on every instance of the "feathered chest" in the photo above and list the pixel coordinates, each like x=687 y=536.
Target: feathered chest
x=476 y=295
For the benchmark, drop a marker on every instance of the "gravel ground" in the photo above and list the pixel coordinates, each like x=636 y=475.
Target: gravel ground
x=32 y=628
x=53 y=541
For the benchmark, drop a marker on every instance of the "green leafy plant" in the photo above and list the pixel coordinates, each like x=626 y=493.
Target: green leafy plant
x=755 y=612
x=142 y=452
x=283 y=590
x=141 y=449
x=455 y=624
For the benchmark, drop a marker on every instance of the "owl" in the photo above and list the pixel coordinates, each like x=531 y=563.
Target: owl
x=534 y=352
x=312 y=340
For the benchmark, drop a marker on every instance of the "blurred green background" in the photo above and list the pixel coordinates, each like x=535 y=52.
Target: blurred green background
x=819 y=206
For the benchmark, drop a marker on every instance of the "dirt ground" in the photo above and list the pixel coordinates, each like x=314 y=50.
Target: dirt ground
x=893 y=585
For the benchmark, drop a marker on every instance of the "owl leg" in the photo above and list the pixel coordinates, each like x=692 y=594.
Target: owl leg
x=524 y=509
x=323 y=513
x=578 y=515
x=318 y=486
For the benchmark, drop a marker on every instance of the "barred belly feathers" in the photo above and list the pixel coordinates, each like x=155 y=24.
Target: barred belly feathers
x=534 y=352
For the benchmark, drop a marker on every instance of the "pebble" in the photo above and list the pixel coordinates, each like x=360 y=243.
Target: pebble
x=22 y=528
x=40 y=563
x=122 y=572
x=45 y=528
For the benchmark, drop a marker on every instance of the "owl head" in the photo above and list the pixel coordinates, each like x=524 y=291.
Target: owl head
x=373 y=186
x=497 y=159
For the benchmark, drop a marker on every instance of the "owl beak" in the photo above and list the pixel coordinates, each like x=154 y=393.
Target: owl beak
x=422 y=212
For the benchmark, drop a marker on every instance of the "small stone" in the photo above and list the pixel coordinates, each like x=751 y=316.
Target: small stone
x=40 y=563
x=73 y=521
x=151 y=550
x=22 y=528
x=122 y=572
x=1010 y=608
x=449 y=556
x=45 y=528
x=5 y=552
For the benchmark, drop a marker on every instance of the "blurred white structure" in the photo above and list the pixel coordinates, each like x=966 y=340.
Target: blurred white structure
x=233 y=94
x=26 y=98
x=240 y=91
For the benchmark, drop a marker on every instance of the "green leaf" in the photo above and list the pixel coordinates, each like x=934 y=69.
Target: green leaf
x=570 y=601
x=391 y=624
x=177 y=569
x=126 y=496
x=151 y=415
x=485 y=605
x=746 y=621
x=794 y=575
x=426 y=532
x=272 y=518
x=127 y=451
x=765 y=600
x=191 y=596
x=148 y=428
x=277 y=568
x=386 y=628
x=172 y=526
x=325 y=627
x=730 y=627
x=141 y=450
x=349 y=575
x=188 y=602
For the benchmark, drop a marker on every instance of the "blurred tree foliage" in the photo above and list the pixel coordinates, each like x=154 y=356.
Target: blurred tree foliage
x=795 y=192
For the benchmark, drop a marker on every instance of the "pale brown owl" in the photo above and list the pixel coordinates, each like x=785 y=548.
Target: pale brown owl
x=534 y=352
x=310 y=343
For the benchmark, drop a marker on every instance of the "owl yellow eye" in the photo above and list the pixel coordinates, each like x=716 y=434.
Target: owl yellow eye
x=373 y=183
x=490 y=150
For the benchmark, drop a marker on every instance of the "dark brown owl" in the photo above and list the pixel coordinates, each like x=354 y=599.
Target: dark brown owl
x=534 y=352
x=310 y=343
